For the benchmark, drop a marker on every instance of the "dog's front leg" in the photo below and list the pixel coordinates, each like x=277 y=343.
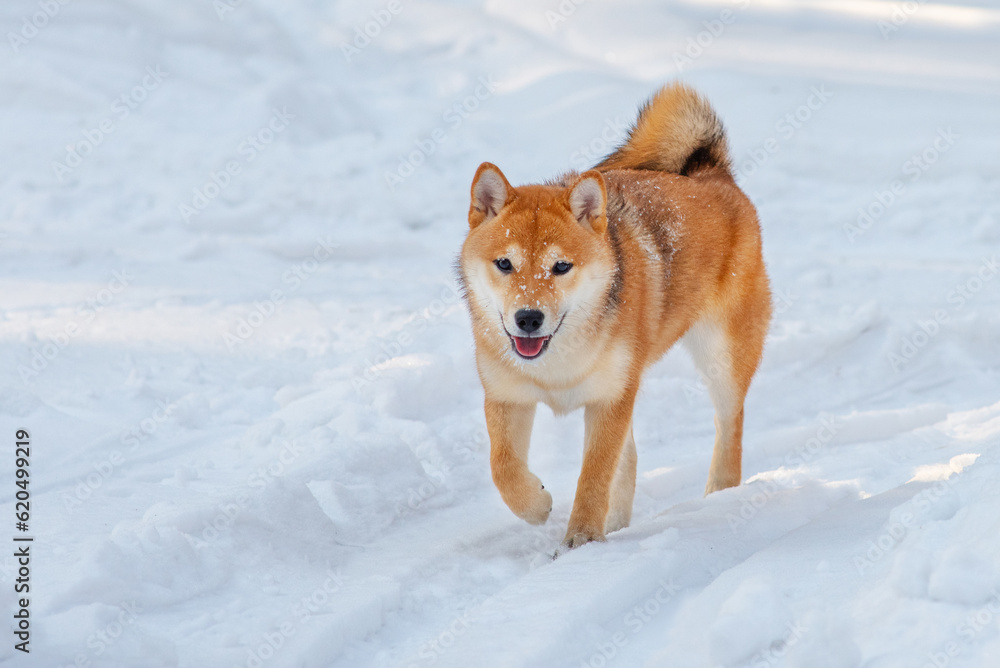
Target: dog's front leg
x=509 y=426
x=607 y=427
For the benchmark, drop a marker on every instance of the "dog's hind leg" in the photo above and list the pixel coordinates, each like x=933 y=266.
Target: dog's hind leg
x=724 y=355
x=622 y=488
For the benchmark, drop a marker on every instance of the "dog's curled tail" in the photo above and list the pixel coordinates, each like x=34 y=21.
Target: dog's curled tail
x=677 y=131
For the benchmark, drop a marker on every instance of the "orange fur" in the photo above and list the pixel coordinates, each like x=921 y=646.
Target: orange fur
x=662 y=245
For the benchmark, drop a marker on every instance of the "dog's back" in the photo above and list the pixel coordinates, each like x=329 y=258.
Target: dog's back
x=671 y=189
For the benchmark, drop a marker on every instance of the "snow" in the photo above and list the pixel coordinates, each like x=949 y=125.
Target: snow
x=256 y=428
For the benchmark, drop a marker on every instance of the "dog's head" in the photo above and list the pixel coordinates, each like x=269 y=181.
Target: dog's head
x=537 y=262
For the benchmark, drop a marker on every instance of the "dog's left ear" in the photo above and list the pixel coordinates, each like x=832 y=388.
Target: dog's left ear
x=588 y=199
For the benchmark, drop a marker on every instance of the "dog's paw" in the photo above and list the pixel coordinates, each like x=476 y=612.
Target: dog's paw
x=537 y=507
x=575 y=539
x=717 y=484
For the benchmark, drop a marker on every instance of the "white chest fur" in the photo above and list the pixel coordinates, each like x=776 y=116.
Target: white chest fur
x=562 y=384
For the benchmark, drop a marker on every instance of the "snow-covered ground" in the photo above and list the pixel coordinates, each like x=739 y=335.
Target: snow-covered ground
x=230 y=326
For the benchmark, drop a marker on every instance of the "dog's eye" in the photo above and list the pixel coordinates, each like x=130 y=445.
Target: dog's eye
x=561 y=267
x=504 y=265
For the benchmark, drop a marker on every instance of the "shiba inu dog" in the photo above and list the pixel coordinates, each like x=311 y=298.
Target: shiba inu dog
x=577 y=285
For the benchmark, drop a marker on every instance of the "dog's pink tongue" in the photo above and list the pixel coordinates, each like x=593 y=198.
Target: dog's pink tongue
x=529 y=347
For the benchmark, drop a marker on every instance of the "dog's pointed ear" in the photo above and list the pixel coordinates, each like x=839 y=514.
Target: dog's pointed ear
x=490 y=193
x=588 y=200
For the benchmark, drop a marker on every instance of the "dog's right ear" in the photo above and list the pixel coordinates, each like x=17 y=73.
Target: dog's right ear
x=490 y=193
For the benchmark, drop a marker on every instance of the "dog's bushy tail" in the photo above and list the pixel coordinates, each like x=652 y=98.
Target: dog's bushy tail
x=677 y=131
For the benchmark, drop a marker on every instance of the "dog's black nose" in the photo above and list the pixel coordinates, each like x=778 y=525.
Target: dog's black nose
x=529 y=320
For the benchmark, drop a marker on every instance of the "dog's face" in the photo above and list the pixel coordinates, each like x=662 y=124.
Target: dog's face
x=537 y=264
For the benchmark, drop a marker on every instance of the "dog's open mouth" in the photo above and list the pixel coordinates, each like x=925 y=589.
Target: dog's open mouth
x=530 y=347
